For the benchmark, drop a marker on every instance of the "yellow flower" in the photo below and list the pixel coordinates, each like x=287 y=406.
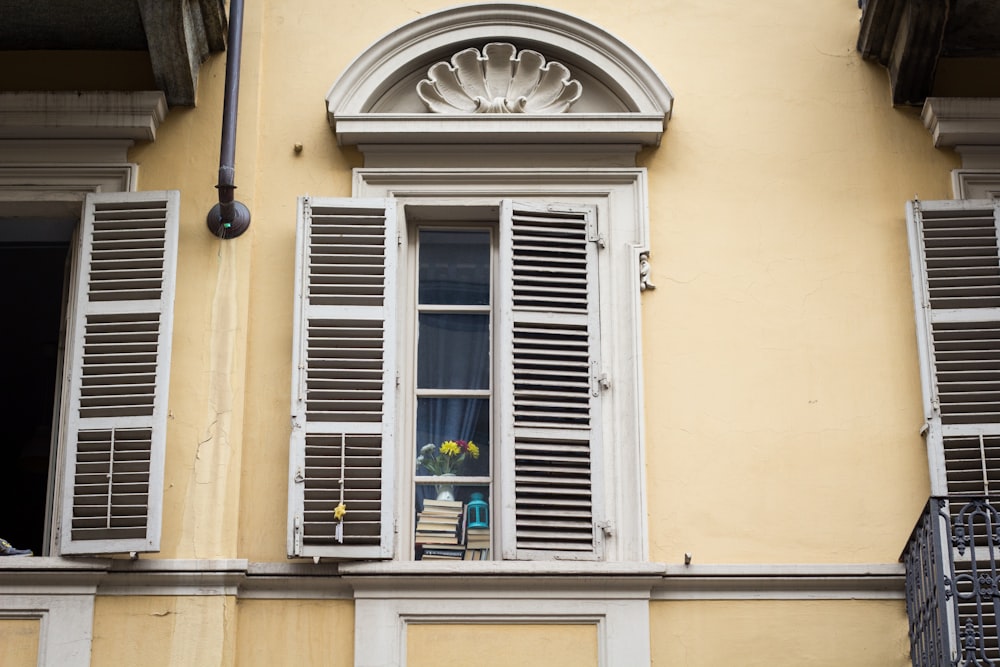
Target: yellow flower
x=339 y=511
x=450 y=447
x=473 y=449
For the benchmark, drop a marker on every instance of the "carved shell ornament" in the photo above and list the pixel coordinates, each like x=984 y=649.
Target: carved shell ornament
x=499 y=80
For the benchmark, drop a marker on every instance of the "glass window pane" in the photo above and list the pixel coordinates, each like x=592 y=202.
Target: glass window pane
x=460 y=420
x=454 y=267
x=453 y=351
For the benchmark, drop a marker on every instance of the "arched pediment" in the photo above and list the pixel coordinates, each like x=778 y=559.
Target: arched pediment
x=620 y=98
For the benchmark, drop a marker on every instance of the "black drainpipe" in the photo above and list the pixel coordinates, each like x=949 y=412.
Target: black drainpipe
x=230 y=218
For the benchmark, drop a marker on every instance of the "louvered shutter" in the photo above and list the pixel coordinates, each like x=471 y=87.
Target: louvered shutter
x=550 y=384
x=118 y=365
x=956 y=279
x=344 y=378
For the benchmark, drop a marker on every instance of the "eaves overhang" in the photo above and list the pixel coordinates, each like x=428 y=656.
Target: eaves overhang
x=178 y=36
x=920 y=42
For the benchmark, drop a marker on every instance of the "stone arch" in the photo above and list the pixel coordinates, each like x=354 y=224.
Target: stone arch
x=376 y=95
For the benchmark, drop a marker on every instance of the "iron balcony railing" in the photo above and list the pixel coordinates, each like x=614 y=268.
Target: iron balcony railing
x=952 y=597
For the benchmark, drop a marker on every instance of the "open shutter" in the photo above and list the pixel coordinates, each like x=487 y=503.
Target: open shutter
x=956 y=279
x=118 y=363
x=550 y=384
x=344 y=379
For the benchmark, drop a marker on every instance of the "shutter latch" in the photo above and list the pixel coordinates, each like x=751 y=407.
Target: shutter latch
x=299 y=477
x=598 y=380
x=606 y=527
x=297 y=536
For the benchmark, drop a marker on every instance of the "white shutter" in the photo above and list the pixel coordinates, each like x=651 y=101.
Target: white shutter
x=118 y=363
x=550 y=383
x=956 y=278
x=344 y=377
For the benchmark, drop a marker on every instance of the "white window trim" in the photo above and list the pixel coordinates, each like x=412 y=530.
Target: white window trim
x=66 y=626
x=976 y=183
x=385 y=608
x=971 y=126
x=619 y=196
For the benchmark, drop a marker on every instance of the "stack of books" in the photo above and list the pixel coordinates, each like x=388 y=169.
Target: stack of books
x=477 y=544
x=438 y=528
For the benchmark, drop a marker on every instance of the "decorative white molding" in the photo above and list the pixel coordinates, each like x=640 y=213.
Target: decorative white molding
x=70 y=178
x=81 y=115
x=616 y=128
x=963 y=121
x=66 y=625
x=976 y=183
x=61 y=152
x=383 y=610
x=498 y=80
x=622 y=98
x=972 y=127
x=645 y=273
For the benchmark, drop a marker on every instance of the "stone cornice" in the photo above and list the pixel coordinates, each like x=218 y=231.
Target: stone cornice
x=582 y=580
x=963 y=121
x=905 y=36
x=84 y=115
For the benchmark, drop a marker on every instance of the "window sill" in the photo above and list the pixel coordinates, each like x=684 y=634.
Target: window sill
x=596 y=572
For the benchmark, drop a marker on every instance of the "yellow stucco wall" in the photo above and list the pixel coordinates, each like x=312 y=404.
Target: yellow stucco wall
x=19 y=642
x=164 y=631
x=782 y=396
x=782 y=402
x=781 y=380
x=778 y=633
x=312 y=632
x=435 y=645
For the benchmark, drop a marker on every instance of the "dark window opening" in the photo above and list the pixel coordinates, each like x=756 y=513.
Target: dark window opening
x=32 y=280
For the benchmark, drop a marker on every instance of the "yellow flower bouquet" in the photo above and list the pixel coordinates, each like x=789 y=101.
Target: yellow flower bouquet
x=448 y=457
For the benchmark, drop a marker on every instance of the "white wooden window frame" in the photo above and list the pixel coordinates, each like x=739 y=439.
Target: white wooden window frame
x=618 y=196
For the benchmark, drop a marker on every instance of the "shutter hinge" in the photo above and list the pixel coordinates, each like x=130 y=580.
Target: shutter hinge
x=297 y=536
x=594 y=236
x=598 y=380
x=399 y=237
x=606 y=527
x=299 y=477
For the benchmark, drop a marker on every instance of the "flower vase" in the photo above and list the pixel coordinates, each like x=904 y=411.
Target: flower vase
x=445 y=491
